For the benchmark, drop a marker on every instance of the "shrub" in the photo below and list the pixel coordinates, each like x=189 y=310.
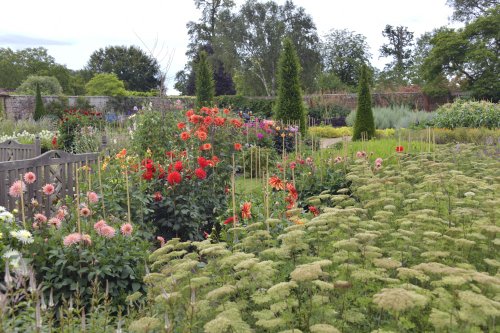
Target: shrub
x=364 y=122
x=260 y=107
x=73 y=122
x=48 y=85
x=205 y=86
x=289 y=107
x=2 y=111
x=105 y=84
x=463 y=113
x=396 y=117
x=39 y=108
x=338 y=132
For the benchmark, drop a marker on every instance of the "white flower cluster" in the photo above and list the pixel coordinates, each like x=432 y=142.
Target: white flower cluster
x=6 y=216
x=23 y=235
x=25 y=136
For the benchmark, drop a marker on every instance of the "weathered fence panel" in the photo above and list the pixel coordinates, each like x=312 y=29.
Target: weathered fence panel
x=12 y=150
x=55 y=167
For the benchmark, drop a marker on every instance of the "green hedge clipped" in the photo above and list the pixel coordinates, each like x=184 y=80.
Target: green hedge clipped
x=260 y=107
x=463 y=113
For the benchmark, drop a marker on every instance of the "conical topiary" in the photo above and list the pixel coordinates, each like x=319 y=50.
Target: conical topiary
x=364 y=122
x=39 y=108
x=289 y=106
x=205 y=87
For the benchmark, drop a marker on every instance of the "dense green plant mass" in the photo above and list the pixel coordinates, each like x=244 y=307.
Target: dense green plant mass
x=289 y=107
x=105 y=84
x=205 y=89
x=396 y=117
x=39 y=108
x=260 y=107
x=48 y=86
x=410 y=247
x=464 y=113
x=364 y=125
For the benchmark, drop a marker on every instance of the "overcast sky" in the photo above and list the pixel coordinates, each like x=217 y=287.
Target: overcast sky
x=72 y=30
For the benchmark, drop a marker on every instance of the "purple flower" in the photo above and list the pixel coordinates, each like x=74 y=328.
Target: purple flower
x=260 y=136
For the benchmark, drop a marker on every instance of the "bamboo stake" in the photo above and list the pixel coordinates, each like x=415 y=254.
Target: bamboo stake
x=129 y=218
x=244 y=175
x=233 y=195
x=23 y=216
x=251 y=163
x=100 y=186
x=78 y=221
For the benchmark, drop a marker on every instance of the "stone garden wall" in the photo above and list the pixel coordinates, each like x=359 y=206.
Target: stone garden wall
x=22 y=107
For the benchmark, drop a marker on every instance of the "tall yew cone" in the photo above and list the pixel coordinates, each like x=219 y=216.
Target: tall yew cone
x=205 y=87
x=39 y=108
x=289 y=107
x=364 y=122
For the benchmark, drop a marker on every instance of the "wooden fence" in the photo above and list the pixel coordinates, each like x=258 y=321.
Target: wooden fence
x=55 y=167
x=12 y=150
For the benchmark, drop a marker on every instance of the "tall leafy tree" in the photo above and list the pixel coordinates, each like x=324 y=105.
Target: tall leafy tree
x=138 y=70
x=364 y=124
x=467 y=10
x=399 y=47
x=259 y=29
x=206 y=35
x=105 y=84
x=16 y=66
x=343 y=53
x=204 y=82
x=289 y=104
x=469 y=56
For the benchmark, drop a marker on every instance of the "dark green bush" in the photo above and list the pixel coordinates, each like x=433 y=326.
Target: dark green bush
x=260 y=107
x=364 y=123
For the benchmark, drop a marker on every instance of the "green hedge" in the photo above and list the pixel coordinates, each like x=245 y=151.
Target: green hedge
x=260 y=107
x=463 y=113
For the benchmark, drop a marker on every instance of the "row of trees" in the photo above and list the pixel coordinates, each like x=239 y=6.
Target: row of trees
x=243 y=45
x=128 y=68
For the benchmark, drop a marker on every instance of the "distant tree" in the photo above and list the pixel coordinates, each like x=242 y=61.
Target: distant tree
x=467 y=10
x=399 y=48
x=343 y=53
x=39 y=108
x=289 y=104
x=16 y=66
x=138 y=70
x=258 y=30
x=204 y=82
x=47 y=85
x=469 y=56
x=105 y=84
x=364 y=122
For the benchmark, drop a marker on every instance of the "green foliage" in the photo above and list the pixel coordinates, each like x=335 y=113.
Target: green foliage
x=364 y=124
x=260 y=107
x=76 y=123
x=56 y=107
x=343 y=54
x=396 y=117
x=339 y=132
x=137 y=70
x=2 y=111
x=467 y=10
x=398 y=47
x=469 y=54
x=463 y=113
x=400 y=245
x=289 y=106
x=105 y=85
x=205 y=90
x=478 y=136
x=48 y=86
x=39 y=108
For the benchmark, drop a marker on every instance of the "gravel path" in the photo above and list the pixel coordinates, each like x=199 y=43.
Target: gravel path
x=325 y=143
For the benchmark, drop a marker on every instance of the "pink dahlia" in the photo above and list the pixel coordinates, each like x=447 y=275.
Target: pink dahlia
x=29 y=177
x=72 y=239
x=48 y=189
x=17 y=189
x=85 y=212
x=40 y=218
x=55 y=222
x=126 y=229
x=107 y=231
x=99 y=225
x=161 y=240
x=92 y=196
